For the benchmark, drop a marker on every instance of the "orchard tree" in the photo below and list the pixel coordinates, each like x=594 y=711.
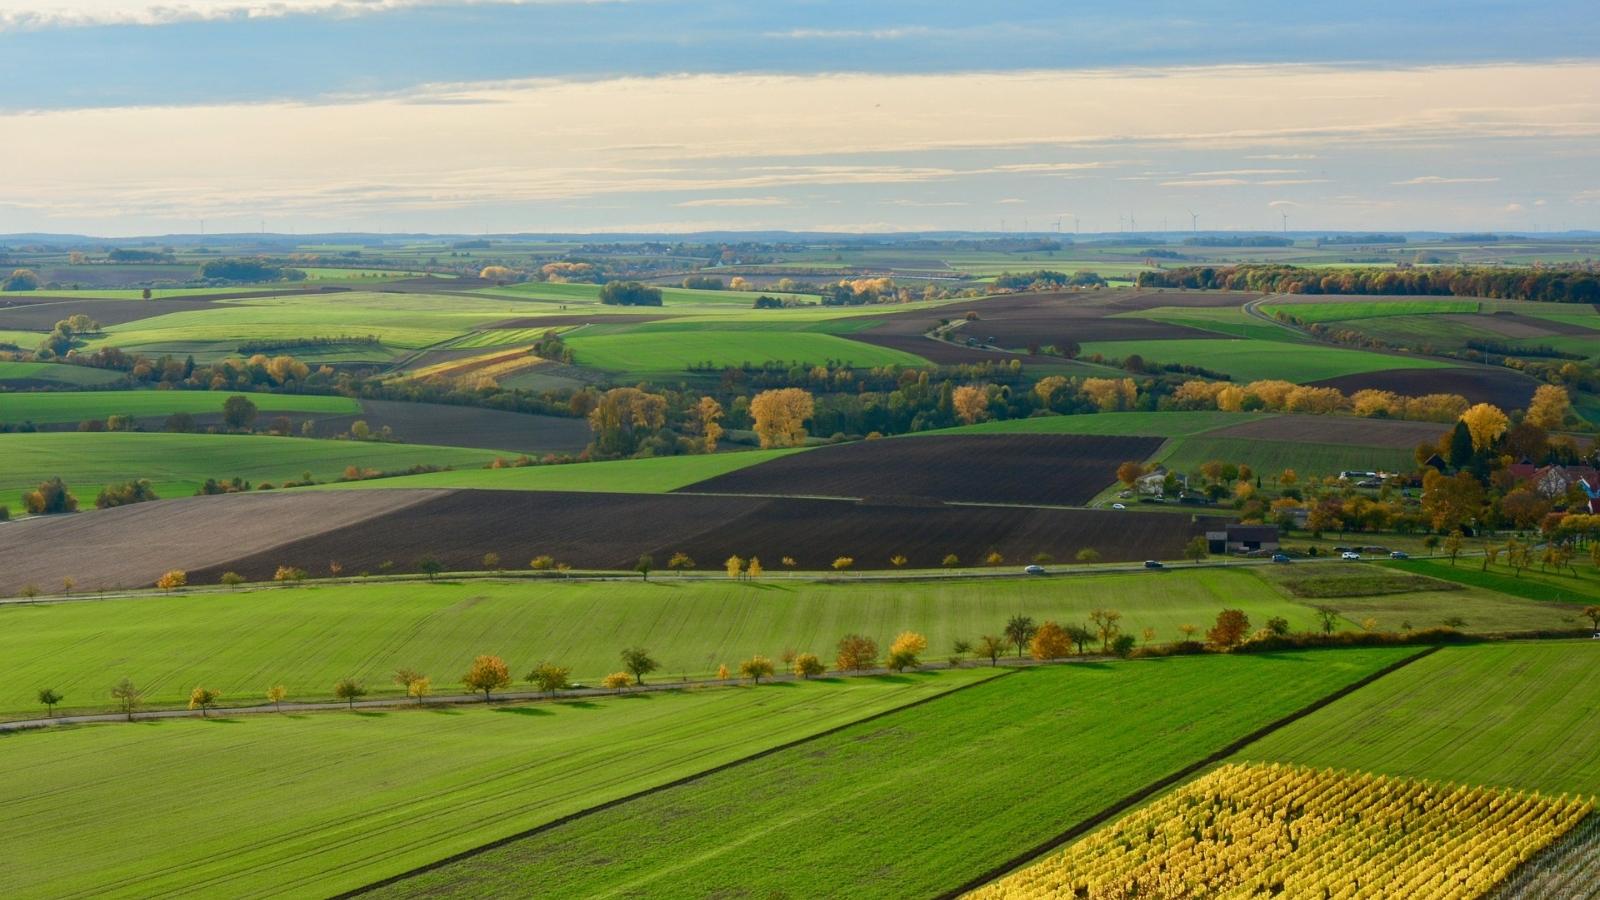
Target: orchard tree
x=488 y=673
x=808 y=666
x=856 y=653
x=1020 y=630
x=1231 y=628
x=755 y=668
x=1105 y=625
x=1049 y=641
x=906 y=650
x=349 y=690
x=420 y=688
x=993 y=647
x=639 y=663
x=203 y=698
x=50 y=697
x=550 y=678
x=1080 y=635
x=275 y=695
x=127 y=696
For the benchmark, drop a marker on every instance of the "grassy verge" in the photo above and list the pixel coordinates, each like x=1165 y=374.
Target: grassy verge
x=314 y=804
x=914 y=803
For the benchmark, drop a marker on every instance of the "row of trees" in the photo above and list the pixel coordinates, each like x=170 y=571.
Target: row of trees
x=1547 y=284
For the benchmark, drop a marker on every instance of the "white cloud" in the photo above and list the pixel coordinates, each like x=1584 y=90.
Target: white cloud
x=736 y=201
x=1247 y=172
x=1011 y=200
x=870 y=34
x=1281 y=156
x=1205 y=182
x=1439 y=179
x=32 y=14
x=1582 y=197
x=1282 y=204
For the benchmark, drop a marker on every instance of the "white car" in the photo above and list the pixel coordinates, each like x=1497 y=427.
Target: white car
x=1033 y=570
x=1118 y=506
x=1349 y=554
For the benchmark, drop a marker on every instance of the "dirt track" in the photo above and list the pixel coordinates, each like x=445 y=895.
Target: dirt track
x=133 y=545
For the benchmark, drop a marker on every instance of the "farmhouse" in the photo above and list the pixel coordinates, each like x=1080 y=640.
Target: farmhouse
x=1235 y=538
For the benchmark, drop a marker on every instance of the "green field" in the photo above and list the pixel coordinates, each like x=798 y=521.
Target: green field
x=918 y=802
x=309 y=637
x=77 y=406
x=1255 y=360
x=1532 y=584
x=1228 y=320
x=177 y=464
x=82 y=376
x=652 y=475
x=302 y=805
x=1268 y=458
x=1519 y=715
x=1375 y=309
x=668 y=352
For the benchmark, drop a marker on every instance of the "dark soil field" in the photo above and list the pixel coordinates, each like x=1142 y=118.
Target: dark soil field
x=466 y=426
x=612 y=530
x=1504 y=388
x=1342 y=430
x=905 y=331
x=1191 y=299
x=40 y=312
x=131 y=546
x=1061 y=470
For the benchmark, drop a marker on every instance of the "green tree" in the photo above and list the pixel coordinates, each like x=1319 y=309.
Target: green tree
x=1197 y=548
x=807 y=665
x=127 y=696
x=50 y=697
x=644 y=565
x=50 y=497
x=1020 y=630
x=430 y=566
x=349 y=690
x=550 y=678
x=638 y=662
x=238 y=412
x=993 y=647
x=755 y=668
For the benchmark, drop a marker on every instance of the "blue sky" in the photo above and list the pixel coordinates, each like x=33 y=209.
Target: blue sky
x=127 y=116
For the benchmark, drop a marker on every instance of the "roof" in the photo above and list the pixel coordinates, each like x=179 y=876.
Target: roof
x=1252 y=532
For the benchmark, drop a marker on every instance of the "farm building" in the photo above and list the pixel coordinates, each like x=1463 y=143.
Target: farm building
x=1234 y=538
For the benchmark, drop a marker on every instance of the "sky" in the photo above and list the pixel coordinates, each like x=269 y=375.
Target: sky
x=129 y=117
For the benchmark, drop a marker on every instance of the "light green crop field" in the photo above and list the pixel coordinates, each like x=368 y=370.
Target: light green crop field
x=1581 y=584
x=56 y=372
x=1153 y=424
x=673 y=352
x=407 y=321
x=1254 y=360
x=654 y=475
x=313 y=804
x=1268 y=458
x=1523 y=715
x=177 y=464
x=502 y=337
x=917 y=802
x=77 y=406
x=1338 y=312
x=670 y=296
x=1231 y=321
x=310 y=637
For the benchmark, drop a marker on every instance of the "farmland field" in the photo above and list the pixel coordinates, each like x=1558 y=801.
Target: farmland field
x=177 y=464
x=1253 y=360
x=52 y=374
x=657 y=475
x=1366 y=308
x=813 y=817
x=44 y=408
x=1157 y=424
x=1578 y=585
x=1479 y=384
x=671 y=352
x=1025 y=469
x=309 y=637
x=1268 y=458
x=612 y=530
x=1267 y=829
x=412 y=786
x=1517 y=715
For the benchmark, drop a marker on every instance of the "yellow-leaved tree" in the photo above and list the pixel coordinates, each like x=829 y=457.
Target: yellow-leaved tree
x=753 y=570
x=710 y=414
x=908 y=646
x=780 y=416
x=487 y=674
x=971 y=404
x=176 y=578
x=1485 y=422
x=734 y=566
x=1050 y=642
x=1549 y=407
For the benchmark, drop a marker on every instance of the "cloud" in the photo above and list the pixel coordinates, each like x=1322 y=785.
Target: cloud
x=20 y=15
x=1282 y=204
x=1205 y=182
x=1011 y=200
x=1248 y=172
x=736 y=201
x=1288 y=181
x=836 y=34
x=1282 y=156
x=1583 y=198
x=1439 y=179
x=1515 y=208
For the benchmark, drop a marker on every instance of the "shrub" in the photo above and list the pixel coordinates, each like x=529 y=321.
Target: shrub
x=807 y=665
x=616 y=681
x=175 y=578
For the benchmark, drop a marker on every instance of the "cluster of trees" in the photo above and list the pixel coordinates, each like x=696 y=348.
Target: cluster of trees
x=247 y=269
x=125 y=494
x=1286 y=396
x=20 y=280
x=62 y=337
x=1222 y=240
x=1046 y=280
x=629 y=293
x=1548 y=284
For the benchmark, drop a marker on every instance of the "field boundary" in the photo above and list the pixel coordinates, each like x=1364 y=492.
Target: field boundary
x=638 y=795
x=1142 y=794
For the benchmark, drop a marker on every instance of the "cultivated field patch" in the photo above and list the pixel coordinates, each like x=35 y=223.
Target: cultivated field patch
x=1480 y=384
x=1023 y=469
x=1270 y=829
x=1355 y=432
x=1248 y=360
x=76 y=406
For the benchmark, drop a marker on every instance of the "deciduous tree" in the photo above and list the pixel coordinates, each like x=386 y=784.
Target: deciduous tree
x=1231 y=628
x=173 y=579
x=420 y=688
x=488 y=673
x=993 y=647
x=50 y=497
x=1549 y=407
x=1106 y=625
x=780 y=416
x=128 y=696
x=906 y=650
x=755 y=668
x=1020 y=630
x=807 y=665
x=616 y=681
x=203 y=698
x=971 y=404
x=550 y=678
x=1485 y=422
x=1049 y=641
x=50 y=697
x=238 y=412
x=639 y=663
x=856 y=653
x=349 y=690
x=275 y=695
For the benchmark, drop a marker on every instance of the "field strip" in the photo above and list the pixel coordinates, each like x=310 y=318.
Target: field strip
x=687 y=779
x=1150 y=790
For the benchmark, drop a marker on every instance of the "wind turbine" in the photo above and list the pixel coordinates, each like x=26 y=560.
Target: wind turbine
x=1194 y=220
x=1285 y=222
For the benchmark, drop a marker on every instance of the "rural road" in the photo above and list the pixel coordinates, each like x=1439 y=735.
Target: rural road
x=463 y=699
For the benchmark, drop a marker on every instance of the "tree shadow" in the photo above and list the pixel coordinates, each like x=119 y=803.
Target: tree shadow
x=525 y=711
x=578 y=704
x=222 y=720
x=780 y=684
x=370 y=714
x=444 y=710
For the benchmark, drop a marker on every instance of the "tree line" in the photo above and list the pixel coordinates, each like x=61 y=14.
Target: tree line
x=1571 y=284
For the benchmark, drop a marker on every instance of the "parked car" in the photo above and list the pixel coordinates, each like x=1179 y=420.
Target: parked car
x=1154 y=564
x=1349 y=554
x=1119 y=506
x=1399 y=554
x=1281 y=558
x=1033 y=570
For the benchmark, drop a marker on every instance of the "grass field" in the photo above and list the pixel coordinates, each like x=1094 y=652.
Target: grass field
x=662 y=352
x=1253 y=360
x=77 y=406
x=654 y=475
x=1231 y=321
x=1532 y=584
x=918 y=802
x=54 y=372
x=313 y=804
x=309 y=637
x=1376 y=309
x=177 y=464
x=1519 y=715
x=1268 y=458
